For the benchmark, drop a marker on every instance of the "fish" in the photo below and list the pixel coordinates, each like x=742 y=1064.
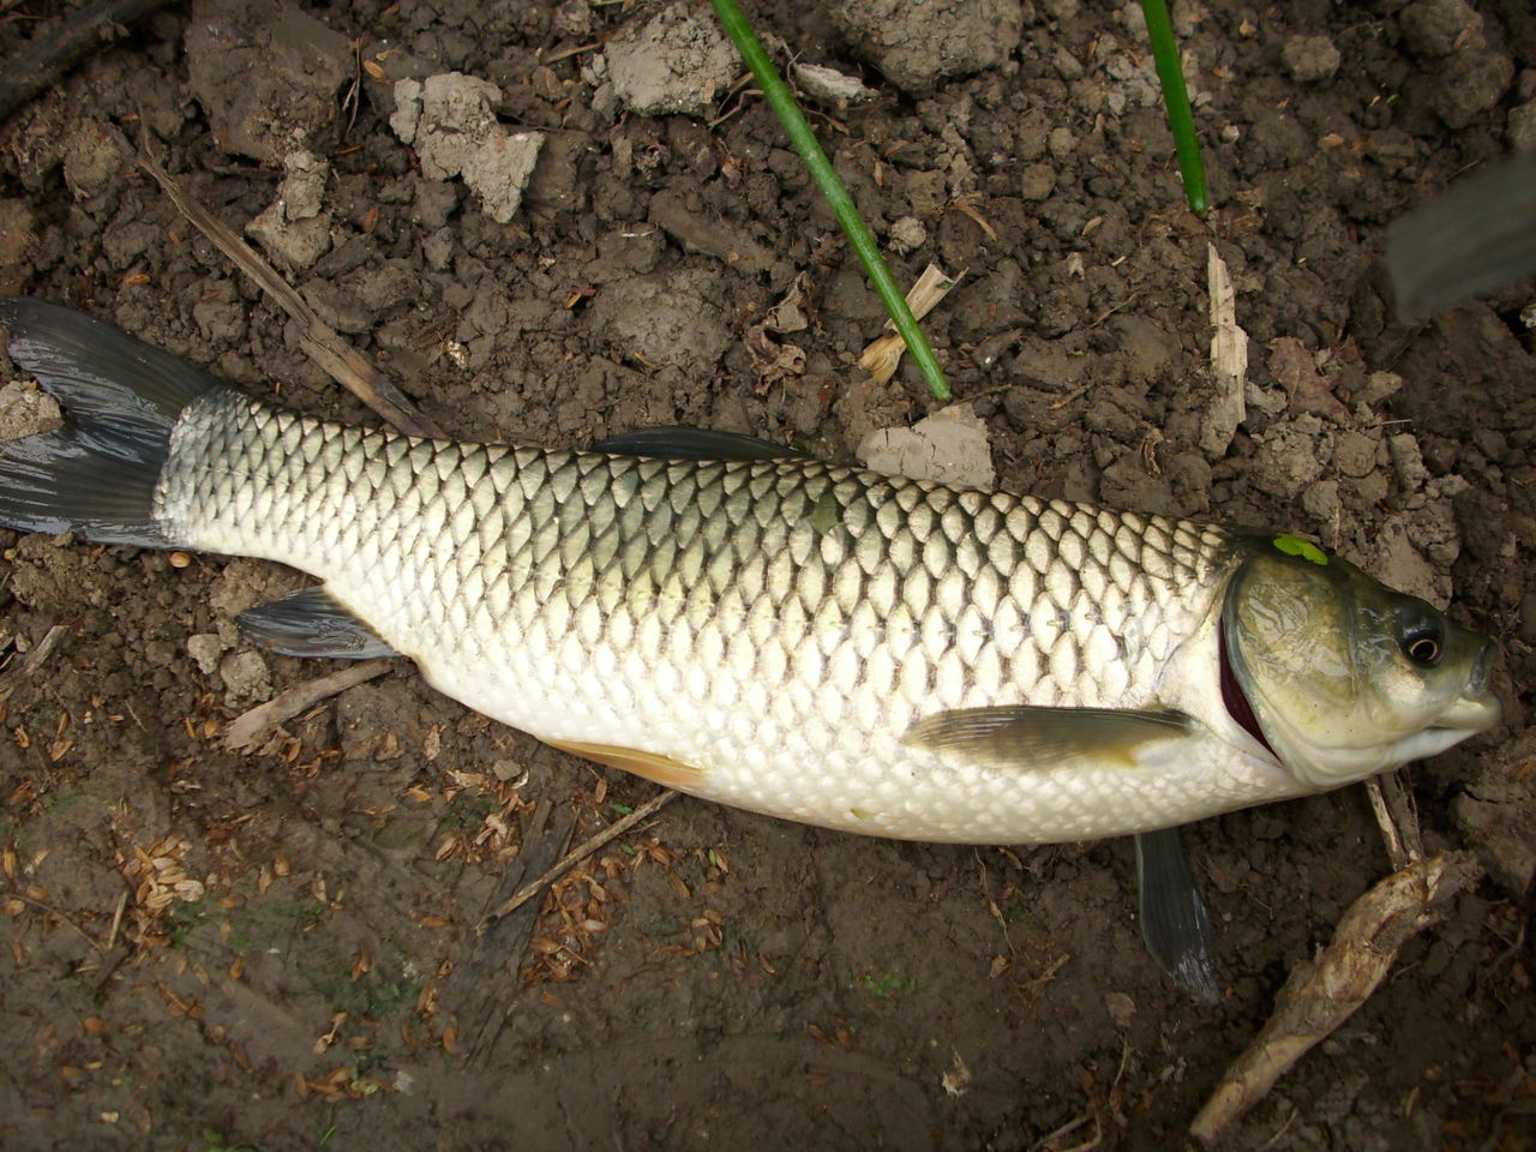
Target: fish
x=803 y=639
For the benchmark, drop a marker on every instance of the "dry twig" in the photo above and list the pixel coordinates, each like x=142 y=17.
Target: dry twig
x=33 y=661
x=54 y=912
x=1321 y=994
x=1393 y=805
x=322 y=343
x=249 y=728
x=577 y=855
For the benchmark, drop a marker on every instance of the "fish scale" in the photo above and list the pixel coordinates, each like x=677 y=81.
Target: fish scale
x=763 y=631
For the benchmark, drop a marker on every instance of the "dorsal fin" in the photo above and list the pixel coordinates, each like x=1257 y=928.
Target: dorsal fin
x=694 y=444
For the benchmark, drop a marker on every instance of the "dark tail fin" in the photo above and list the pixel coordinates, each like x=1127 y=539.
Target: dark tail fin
x=121 y=398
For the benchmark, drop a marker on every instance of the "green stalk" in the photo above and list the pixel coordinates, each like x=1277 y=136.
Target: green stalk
x=1181 y=122
x=804 y=140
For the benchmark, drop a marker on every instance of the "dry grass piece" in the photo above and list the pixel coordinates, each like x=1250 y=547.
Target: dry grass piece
x=883 y=355
x=1323 y=993
x=321 y=343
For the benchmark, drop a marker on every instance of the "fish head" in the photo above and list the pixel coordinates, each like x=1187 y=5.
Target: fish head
x=1341 y=677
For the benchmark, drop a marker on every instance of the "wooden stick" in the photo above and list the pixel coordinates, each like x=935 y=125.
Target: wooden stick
x=322 y=343
x=253 y=725
x=33 y=660
x=65 y=43
x=577 y=855
x=52 y=911
x=117 y=921
x=1321 y=994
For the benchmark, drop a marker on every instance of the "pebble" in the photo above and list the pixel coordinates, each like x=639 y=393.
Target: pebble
x=678 y=61
x=1310 y=59
x=1436 y=27
x=26 y=411
x=908 y=234
x=1520 y=128
x=206 y=648
x=246 y=677
x=1407 y=462
x=1474 y=82
x=1037 y=182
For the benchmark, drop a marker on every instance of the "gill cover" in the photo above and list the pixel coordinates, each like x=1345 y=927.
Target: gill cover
x=1344 y=677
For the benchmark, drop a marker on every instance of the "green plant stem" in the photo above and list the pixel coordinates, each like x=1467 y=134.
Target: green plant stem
x=1181 y=122
x=783 y=103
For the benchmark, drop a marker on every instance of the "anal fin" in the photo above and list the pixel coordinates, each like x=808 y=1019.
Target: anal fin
x=1174 y=923
x=312 y=622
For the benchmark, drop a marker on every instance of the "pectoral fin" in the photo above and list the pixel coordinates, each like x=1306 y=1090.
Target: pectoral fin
x=1041 y=738
x=312 y=622
x=1174 y=923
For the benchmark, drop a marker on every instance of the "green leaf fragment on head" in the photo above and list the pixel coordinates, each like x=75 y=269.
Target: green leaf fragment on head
x=1296 y=546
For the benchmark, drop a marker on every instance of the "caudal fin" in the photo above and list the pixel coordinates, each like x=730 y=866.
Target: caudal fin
x=121 y=398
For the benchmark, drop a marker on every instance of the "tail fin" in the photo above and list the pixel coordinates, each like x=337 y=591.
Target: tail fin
x=121 y=398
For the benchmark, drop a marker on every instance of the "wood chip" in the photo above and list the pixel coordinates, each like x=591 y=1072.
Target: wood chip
x=1229 y=360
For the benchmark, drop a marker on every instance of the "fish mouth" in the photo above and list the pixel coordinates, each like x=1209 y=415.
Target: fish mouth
x=1470 y=714
x=1236 y=700
x=1477 y=709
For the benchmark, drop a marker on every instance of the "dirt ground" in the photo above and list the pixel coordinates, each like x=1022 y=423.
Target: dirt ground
x=294 y=961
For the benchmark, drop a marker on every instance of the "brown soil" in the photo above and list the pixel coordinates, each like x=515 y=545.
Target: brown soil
x=297 y=965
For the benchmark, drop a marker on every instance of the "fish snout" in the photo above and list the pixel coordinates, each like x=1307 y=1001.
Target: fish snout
x=1477 y=709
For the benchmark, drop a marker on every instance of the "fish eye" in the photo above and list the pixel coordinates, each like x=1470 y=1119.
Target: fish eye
x=1421 y=642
